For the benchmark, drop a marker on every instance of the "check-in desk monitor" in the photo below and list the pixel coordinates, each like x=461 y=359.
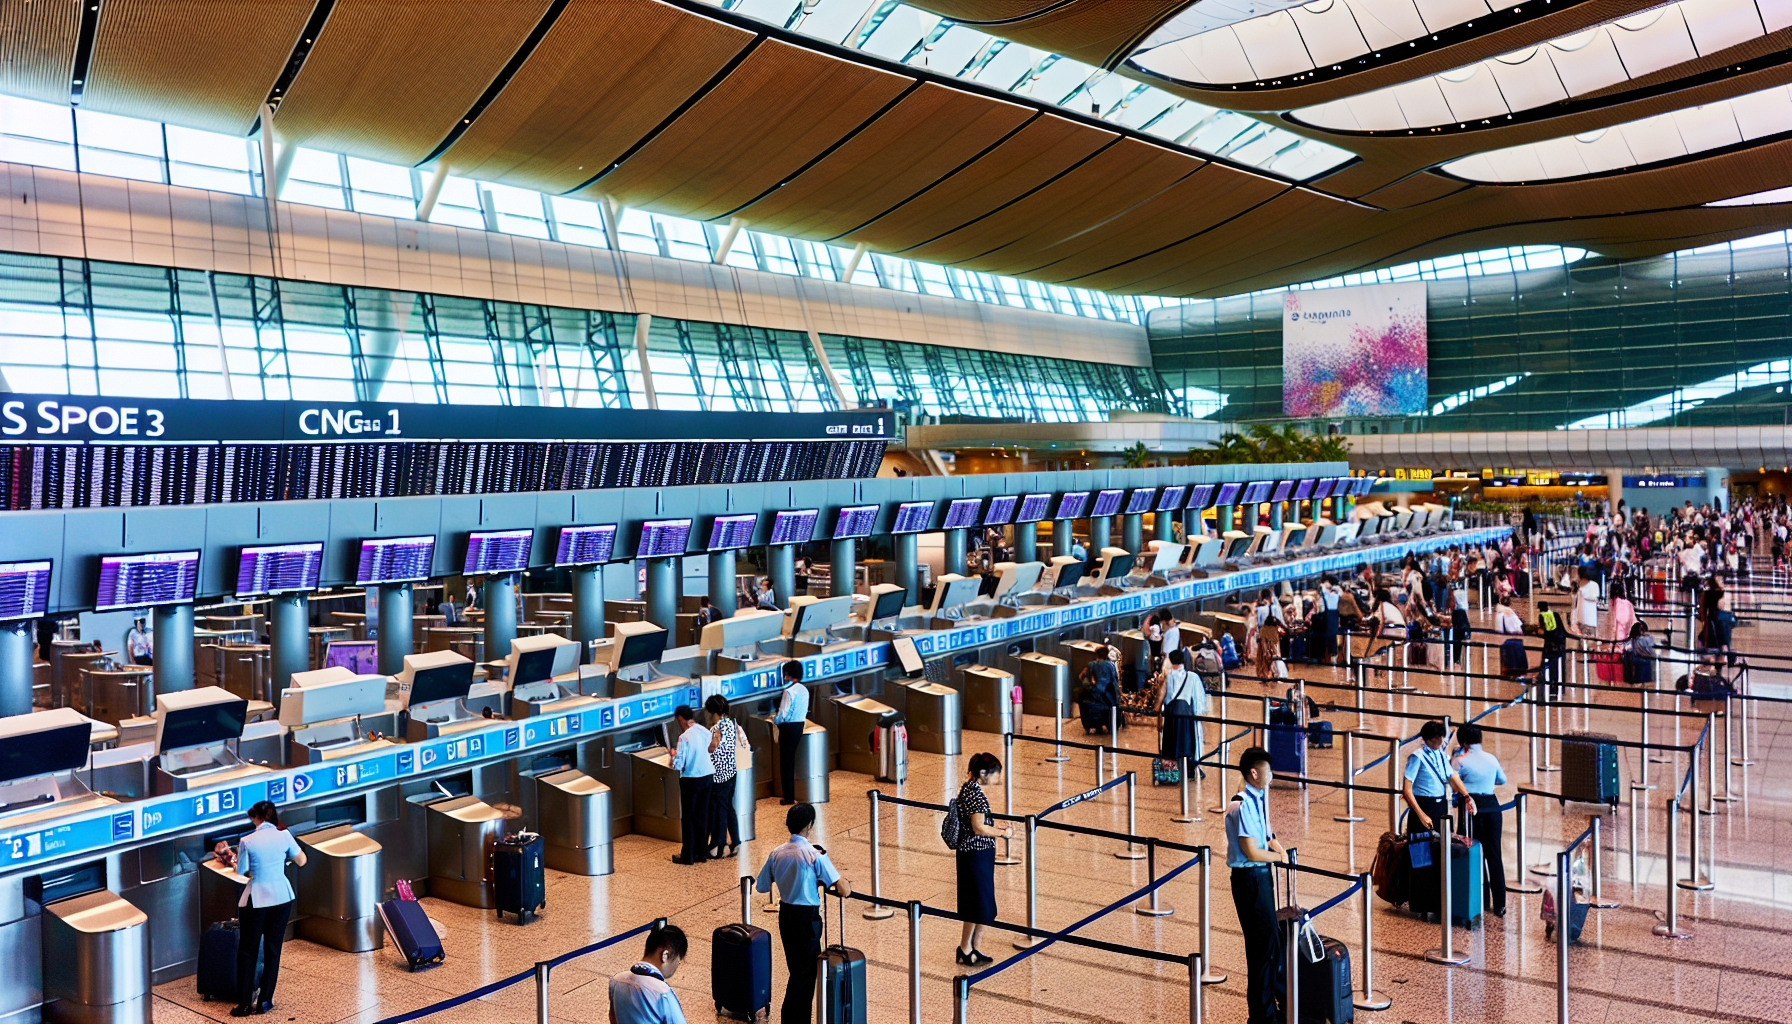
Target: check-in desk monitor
x=538 y=669
x=950 y=595
x=1402 y=519
x=1061 y=577
x=1347 y=532
x=908 y=657
x=1013 y=579
x=634 y=654
x=810 y=622
x=194 y=731
x=323 y=709
x=1111 y=567
x=1269 y=541
x=1294 y=537
x=734 y=641
x=1166 y=558
x=1237 y=543
x=433 y=688
x=40 y=752
x=1207 y=552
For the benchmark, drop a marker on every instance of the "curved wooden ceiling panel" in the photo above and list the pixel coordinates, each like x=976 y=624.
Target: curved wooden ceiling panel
x=1092 y=31
x=566 y=116
x=934 y=128
x=780 y=108
x=389 y=79
x=224 y=62
x=37 y=48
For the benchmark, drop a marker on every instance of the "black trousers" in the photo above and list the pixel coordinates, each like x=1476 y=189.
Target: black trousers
x=799 y=929
x=261 y=930
x=1459 y=631
x=724 y=822
x=790 y=737
x=1435 y=807
x=1486 y=831
x=1253 y=896
x=1549 y=672
x=694 y=800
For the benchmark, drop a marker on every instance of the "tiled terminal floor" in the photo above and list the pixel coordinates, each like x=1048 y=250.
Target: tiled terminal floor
x=1736 y=967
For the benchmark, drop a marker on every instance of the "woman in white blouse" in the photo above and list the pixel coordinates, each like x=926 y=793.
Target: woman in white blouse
x=265 y=906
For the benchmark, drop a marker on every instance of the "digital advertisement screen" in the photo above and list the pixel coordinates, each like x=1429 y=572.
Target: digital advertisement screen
x=585 y=545
x=1355 y=351
x=24 y=589
x=961 y=513
x=1033 y=508
x=855 y=521
x=1107 y=503
x=796 y=526
x=729 y=532
x=663 y=538
x=1071 y=505
x=1171 y=498
x=495 y=552
x=1001 y=510
x=912 y=517
x=277 y=569
x=394 y=560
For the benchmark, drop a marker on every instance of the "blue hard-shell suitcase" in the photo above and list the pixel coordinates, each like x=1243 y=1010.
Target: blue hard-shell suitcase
x=411 y=932
x=740 y=971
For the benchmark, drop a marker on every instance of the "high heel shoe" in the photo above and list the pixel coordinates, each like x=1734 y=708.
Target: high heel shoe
x=967 y=959
x=979 y=958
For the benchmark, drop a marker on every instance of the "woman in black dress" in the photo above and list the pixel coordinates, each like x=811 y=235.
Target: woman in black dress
x=977 y=858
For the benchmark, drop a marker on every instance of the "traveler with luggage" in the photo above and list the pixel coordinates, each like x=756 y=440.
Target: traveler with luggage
x=1480 y=772
x=1099 y=693
x=641 y=995
x=727 y=745
x=264 y=908
x=800 y=869
x=1180 y=697
x=976 y=832
x=1639 y=656
x=1555 y=646
x=1429 y=779
x=1324 y=644
x=791 y=716
x=1251 y=847
x=696 y=781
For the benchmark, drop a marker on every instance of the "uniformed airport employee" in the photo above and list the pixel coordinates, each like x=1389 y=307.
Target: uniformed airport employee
x=640 y=994
x=799 y=867
x=792 y=714
x=1480 y=772
x=1251 y=847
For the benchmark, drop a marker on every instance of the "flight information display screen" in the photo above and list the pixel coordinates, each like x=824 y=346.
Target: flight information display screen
x=1001 y=510
x=585 y=545
x=137 y=581
x=1140 y=500
x=279 y=569
x=24 y=589
x=729 y=532
x=1283 y=489
x=796 y=526
x=1322 y=488
x=961 y=513
x=664 y=538
x=494 y=552
x=855 y=521
x=1228 y=494
x=394 y=560
x=1202 y=495
x=1033 y=508
x=1304 y=489
x=912 y=516
x=1171 y=498
x=1107 y=503
x=1072 y=504
x=1257 y=492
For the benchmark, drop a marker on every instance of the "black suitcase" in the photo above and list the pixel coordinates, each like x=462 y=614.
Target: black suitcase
x=217 y=961
x=1325 y=986
x=1589 y=768
x=519 y=882
x=411 y=932
x=740 y=971
x=840 y=976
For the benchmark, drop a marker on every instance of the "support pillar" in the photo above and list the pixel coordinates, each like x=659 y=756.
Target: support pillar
x=289 y=640
x=16 y=661
x=1275 y=515
x=588 y=606
x=907 y=575
x=780 y=565
x=843 y=566
x=1132 y=533
x=1224 y=516
x=955 y=546
x=500 y=615
x=1100 y=535
x=1026 y=542
x=721 y=582
x=1163 y=526
x=1061 y=535
x=394 y=641
x=661 y=596
x=173 y=639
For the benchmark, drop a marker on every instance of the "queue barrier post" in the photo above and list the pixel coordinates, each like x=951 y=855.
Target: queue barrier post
x=1366 y=998
x=1152 y=909
x=1349 y=814
x=1596 y=872
x=1195 y=1008
x=1692 y=882
x=1669 y=928
x=1446 y=953
x=1564 y=916
x=1007 y=859
x=1132 y=852
x=914 y=962
x=877 y=911
x=1186 y=816
x=1291 y=949
x=1522 y=887
x=1209 y=976
x=746 y=899
x=1028 y=941
x=542 y=970
x=961 y=1000
x=1058 y=755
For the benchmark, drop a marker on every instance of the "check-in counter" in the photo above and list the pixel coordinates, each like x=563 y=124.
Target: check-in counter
x=935 y=718
x=988 y=695
x=119 y=693
x=620 y=687
x=339 y=889
x=573 y=815
x=1044 y=684
x=658 y=810
x=248 y=669
x=96 y=961
x=861 y=722
x=1080 y=653
x=813 y=762
x=461 y=832
x=321 y=639
x=1135 y=653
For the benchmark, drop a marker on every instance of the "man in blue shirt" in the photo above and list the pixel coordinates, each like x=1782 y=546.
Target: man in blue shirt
x=696 y=772
x=1251 y=847
x=800 y=868
x=1430 y=777
x=792 y=715
x=640 y=994
x=1480 y=772
x=1324 y=645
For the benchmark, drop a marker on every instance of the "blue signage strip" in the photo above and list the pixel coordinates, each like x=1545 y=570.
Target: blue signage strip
x=92 y=832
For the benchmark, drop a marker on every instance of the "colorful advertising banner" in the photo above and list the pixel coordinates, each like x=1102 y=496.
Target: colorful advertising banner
x=1354 y=351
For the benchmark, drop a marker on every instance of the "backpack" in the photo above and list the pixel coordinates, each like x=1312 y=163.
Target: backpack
x=952 y=829
x=1228 y=651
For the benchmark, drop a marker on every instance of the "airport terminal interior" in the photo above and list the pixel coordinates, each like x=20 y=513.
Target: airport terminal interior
x=881 y=511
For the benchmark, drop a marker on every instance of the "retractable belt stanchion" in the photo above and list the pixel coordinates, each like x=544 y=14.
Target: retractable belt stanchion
x=914 y=962
x=1058 y=756
x=1596 y=870
x=1349 y=814
x=1153 y=908
x=1007 y=859
x=1366 y=998
x=1186 y=816
x=1523 y=887
x=1194 y=988
x=1291 y=972
x=1131 y=852
x=877 y=911
x=1209 y=975
x=1692 y=882
x=1669 y=928
x=746 y=899
x=1564 y=915
x=1446 y=953
x=1028 y=941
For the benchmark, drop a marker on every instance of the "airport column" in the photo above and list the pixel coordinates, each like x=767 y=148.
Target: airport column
x=1132 y=533
x=1223 y=516
x=289 y=638
x=173 y=652
x=1062 y=534
x=588 y=606
x=395 y=627
x=1275 y=515
x=1100 y=535
x=721 y=582
x=780 y=565
x=955 y=548
x=1026 y=542
x=907 y=572
x=16 y=661
x=662 y=595
x=1163 y=525
x=500 y=615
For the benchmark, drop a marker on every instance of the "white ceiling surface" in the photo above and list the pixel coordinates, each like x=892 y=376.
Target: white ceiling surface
x=1635 y=448
x=1667 y=136
x=1297 y=39
x=1567 y=66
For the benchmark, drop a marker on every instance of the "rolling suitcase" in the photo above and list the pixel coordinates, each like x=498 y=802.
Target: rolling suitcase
x=217 y=961
x=519 y=882
x=1589 y=768
x=740 y=972
x=1465 y=878
x=1287 y=741
x=1323 y=971
x=411 y=932
x=840 y=980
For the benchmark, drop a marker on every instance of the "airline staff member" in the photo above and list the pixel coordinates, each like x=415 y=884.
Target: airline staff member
x=793 y=713
x=265 y=906
x=800 y=868
x=1480 y=772
x=696 y=775
x=640 y=994
x=1250 y=850
x=1330 y=600
x=1430 y=777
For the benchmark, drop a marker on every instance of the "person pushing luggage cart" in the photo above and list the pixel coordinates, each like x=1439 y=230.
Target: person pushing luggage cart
x=800 y=869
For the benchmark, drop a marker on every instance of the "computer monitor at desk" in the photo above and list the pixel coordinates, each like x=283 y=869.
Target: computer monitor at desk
x=734 y=641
